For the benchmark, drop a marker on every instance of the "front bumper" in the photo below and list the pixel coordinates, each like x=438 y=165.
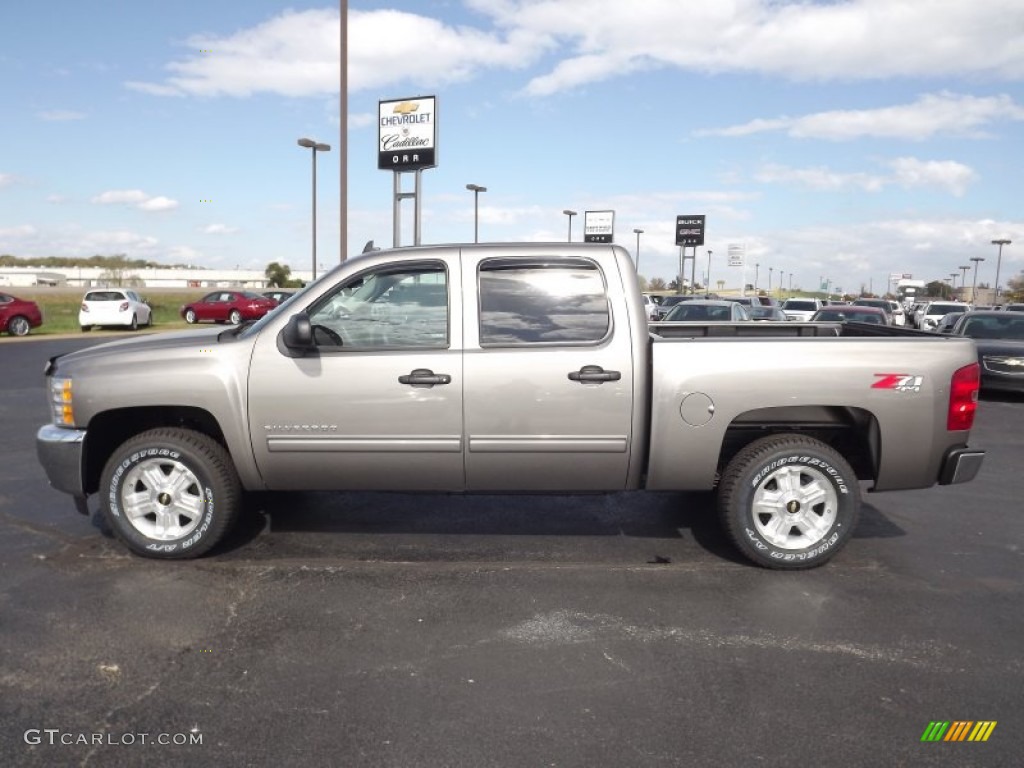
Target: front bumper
x=60 y=452
x=961 y=465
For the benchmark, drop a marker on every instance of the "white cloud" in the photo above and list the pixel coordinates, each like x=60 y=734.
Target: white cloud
x=931 y=115
x=137 y=198
x=953 y=176
x=7 y=179
x=117 y=196
x=60 y=115
x=219 y=229
x=158 y=204
x=297 y=54
x=907 y=172
x=56 y=199
x=22 y=230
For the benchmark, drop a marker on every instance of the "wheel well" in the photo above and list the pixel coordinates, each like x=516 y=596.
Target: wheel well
x=110 y=429
x=853 y=432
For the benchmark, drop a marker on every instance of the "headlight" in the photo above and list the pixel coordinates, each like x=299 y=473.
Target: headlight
x=60 y=402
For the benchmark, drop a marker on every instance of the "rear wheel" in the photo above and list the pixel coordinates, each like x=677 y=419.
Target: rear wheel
x=789 y=502
x=170 y=493
x=18 y=326
x=86 y=328
x=134 y=325
x=235 y=317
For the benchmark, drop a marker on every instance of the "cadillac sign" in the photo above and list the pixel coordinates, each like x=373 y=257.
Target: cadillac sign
x=407 y=134
x=689 y=230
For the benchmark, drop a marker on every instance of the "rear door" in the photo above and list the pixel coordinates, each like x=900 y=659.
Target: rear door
x=548 y=373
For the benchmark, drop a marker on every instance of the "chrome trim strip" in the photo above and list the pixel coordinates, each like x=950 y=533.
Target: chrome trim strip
x=365 y=444
x=548 y=444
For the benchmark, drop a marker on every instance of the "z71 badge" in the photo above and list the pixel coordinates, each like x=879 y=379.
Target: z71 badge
x=901 y=382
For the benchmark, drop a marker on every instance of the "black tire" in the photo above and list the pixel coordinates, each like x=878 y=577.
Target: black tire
x=135 y=323
x=789 y=502
x=200 y=501
x=18 y=326
x=86 y=328
x=190 y=316
x=235 y=317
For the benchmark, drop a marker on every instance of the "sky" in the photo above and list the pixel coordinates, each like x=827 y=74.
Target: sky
x=843 y=140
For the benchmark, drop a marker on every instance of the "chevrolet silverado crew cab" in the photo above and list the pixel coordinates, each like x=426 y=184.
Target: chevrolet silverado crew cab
x=506 y=368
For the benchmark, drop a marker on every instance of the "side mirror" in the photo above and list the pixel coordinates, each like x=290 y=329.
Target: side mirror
x=297 y=336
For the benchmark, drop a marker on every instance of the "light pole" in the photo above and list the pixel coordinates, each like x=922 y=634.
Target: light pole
x=974 y=283
x=570 y=214
x=707 y=281
x=782 y=281
x=1001 y=242
x=955 y=275
x=476 y=189
x=770 y=270
x=963 y=279
x=316 y=146
x=638 y=233
x=757 y=268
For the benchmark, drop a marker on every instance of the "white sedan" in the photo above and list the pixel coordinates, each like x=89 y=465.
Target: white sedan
x=113 y=306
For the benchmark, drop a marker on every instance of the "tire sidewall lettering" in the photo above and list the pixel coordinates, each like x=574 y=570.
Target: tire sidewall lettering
x=804 y=460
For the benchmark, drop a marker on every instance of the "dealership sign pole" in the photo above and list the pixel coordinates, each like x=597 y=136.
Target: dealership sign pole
x=407 y=141
x=689 y=232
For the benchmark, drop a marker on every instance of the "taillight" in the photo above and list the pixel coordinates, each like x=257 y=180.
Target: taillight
x=85 y=307
x=963 y=397
x=123 y=307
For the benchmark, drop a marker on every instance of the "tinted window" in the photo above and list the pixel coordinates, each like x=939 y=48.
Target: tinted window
x=104 y=296
x=808 y=306
x=394 y=307
x=538 y=301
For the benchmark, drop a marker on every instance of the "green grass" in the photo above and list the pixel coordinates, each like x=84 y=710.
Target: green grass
x=60 y=309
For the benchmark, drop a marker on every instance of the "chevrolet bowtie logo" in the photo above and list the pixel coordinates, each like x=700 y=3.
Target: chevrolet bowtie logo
x=405 y=108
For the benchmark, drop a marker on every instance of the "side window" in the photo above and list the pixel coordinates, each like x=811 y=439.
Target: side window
x=559 y=301
x=394 y=307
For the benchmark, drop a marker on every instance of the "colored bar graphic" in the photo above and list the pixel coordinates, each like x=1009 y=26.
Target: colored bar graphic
x=958 y=730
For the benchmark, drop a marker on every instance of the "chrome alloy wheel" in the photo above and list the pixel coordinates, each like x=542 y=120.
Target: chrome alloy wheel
x=162 y=499
x=794 y=507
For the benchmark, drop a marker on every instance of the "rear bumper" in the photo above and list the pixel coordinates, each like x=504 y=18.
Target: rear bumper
x=960 y=465
x=60 y=452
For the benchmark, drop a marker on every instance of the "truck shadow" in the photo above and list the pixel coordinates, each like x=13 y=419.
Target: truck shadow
x=657 y=528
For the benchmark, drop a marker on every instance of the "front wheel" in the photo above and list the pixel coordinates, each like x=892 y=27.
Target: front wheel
x=18 y=326
x=235 y=317
x=789 y=502
x=190 y=316
x=170 y=493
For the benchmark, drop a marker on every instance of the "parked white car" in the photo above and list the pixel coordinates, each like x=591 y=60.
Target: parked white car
x=801 y=309
x=899 y=317
x=113 y=306
x=936 y=310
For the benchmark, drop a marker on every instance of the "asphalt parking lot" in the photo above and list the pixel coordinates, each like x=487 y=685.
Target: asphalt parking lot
x=436 y=630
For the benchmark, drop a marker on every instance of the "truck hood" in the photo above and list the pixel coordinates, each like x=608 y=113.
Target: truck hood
x=181 y=340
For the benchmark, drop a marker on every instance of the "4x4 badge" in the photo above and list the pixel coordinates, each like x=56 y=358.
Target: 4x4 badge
x=900 y=382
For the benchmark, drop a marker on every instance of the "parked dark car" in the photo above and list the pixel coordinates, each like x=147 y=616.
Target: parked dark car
x=883 y=304
x=999 y=337
x=948 y=322
x=18 y=316
x=703 y=310
x=851 y=313
x=228 y=307
x=667 y=302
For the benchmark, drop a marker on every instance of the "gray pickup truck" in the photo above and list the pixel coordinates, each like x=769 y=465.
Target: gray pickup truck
x=507 y=368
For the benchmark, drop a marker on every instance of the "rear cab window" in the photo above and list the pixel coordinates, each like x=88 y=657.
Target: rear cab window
x=542 y=301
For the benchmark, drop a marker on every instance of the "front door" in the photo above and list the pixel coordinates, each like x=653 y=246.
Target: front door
x=378 y=405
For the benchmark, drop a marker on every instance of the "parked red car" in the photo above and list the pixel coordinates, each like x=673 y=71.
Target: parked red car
x=228 y=307
x=17 y=316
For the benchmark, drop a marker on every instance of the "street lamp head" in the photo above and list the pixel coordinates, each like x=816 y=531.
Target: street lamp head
x=316 y=145
x=567 y=212
x=476 y=188
x=1002 y=241
x=638 y=231
x=977 y=258
x=307 y=143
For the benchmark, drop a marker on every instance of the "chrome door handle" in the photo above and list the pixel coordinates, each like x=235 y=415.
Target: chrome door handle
x=424 y=377
x=594 y=373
